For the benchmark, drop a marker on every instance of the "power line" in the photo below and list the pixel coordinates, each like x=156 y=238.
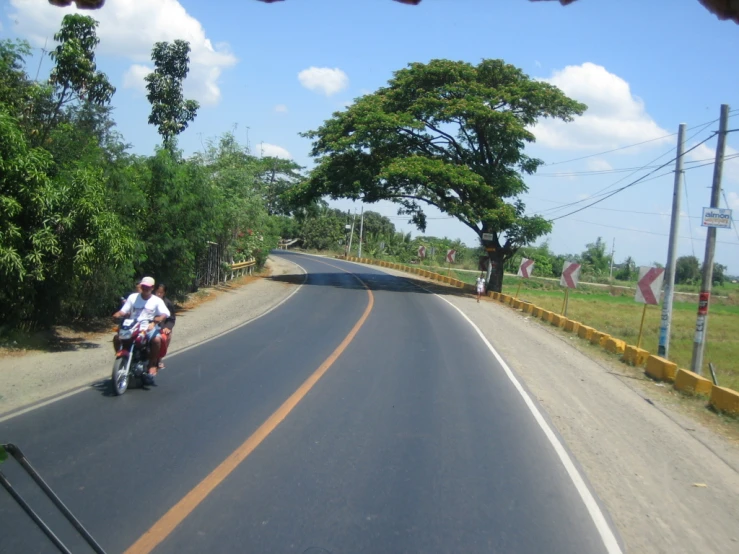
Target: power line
x=690 y=223
x=706 y=124
x=639 y=180
x=623 y=211
x=733 y=223
x=603 y=190
x=625 y=169
x=613 y=150
x=645 y=232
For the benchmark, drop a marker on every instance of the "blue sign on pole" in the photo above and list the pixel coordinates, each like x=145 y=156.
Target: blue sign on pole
x=717 y=217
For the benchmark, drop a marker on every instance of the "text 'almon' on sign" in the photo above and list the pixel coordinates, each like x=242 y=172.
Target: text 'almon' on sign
x=717 y=217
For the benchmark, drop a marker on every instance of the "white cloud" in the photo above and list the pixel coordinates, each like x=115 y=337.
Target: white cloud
x=598 y=164
x=134 y=77
x=614 y=118
x=272 y=150
x=702 y=153
x=129 y=29
x=537 y=63
x=324 y=79
x=281 y=108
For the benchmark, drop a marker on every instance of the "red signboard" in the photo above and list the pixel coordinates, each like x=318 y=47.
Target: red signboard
x=703 y=303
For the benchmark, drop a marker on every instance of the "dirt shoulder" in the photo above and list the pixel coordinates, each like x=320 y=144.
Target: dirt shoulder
x=28 y=377
x=664 y=470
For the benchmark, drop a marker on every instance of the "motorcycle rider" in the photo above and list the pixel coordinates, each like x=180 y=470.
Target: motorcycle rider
x=168 y=325
x=145 y=305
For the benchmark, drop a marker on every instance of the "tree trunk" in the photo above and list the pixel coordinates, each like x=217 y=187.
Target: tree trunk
x=495 y=271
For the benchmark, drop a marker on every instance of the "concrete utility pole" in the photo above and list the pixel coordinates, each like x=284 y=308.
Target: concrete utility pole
x=701 y=325
x=351 y=234
x=664 y=329
x=613 y=252
x=361 y=230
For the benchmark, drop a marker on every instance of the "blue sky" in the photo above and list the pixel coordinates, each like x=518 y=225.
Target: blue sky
x=642 y=67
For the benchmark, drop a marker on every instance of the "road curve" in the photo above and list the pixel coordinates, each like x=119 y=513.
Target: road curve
x=414 y=440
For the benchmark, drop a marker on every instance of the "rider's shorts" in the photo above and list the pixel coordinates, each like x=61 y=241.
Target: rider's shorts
x=151 y=335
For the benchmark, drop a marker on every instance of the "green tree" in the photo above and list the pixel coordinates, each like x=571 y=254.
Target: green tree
x=53 y=231
x=170 y=112
x=595 y=259
x=542 y=256
x=322 y=229
x=447 y=134
x=14 y=82
x=719 y=277
x=378 y=224
x=687 y=270
x=628 y=271
x=278 y=176
x=75 y=76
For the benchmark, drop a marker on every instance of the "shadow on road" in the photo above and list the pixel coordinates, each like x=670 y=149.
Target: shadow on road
x=105 y=386
x=375 y=281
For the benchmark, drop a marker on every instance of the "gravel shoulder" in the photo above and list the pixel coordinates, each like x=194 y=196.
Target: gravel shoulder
x=37 y=376
x=670 y=483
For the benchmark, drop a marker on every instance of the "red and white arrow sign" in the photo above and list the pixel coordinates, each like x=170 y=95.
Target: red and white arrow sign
x=526 y=268
x=649 y=286
x=450 y=256
x=570 y=275
x=421 y=251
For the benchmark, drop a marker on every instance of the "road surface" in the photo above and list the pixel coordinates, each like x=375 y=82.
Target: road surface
x=408 y=437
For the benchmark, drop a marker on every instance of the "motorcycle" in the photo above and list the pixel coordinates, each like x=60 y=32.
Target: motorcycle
x=132 y=358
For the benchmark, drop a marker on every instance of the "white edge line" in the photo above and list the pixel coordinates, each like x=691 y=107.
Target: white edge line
x=72 y=392
x=601 y=524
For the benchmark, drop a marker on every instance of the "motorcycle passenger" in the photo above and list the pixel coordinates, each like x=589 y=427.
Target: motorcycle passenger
x=142 y=306
x=168 y=325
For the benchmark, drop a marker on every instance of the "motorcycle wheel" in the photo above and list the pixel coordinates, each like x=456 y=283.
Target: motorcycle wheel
x=120 y=376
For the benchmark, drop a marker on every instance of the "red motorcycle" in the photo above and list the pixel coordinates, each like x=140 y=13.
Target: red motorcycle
x=132 y=358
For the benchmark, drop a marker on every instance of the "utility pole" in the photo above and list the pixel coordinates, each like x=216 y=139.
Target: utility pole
x=701 y=324
x=41 y=58
x=613 y=251
x=346 y=232
x=361 y=230
x=351 y=235
x=664 y=328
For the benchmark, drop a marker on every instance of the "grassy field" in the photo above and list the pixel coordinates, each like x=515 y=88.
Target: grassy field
x=619 y=316
x=614 y=311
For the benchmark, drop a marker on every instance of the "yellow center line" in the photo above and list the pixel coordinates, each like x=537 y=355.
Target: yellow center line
x=177 y=513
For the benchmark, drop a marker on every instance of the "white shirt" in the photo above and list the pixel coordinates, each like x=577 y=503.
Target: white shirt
x=480 y=283
x=140 y=309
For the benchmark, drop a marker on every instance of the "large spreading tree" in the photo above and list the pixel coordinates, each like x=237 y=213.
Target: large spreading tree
x=447 y=134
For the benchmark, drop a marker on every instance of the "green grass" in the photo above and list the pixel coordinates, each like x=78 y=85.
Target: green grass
x=619 y=316
x=613 y=311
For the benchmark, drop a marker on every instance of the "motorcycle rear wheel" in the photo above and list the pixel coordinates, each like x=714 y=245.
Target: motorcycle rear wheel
x=120 y=377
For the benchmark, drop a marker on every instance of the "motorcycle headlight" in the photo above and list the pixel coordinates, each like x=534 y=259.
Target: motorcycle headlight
x=124 y=334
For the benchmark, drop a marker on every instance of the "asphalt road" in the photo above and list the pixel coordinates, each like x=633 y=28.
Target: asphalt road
x=414 y=440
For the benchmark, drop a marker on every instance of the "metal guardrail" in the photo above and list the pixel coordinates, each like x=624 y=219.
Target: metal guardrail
x=241 y=268
x=284 y=244
x=242 y=265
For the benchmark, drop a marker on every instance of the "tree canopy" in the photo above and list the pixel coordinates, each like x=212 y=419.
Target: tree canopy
x=447 y=134
x=170 y=111
x=81 y=218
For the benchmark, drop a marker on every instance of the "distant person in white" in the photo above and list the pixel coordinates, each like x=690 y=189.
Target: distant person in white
x=145 y=306
x=480 y=287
